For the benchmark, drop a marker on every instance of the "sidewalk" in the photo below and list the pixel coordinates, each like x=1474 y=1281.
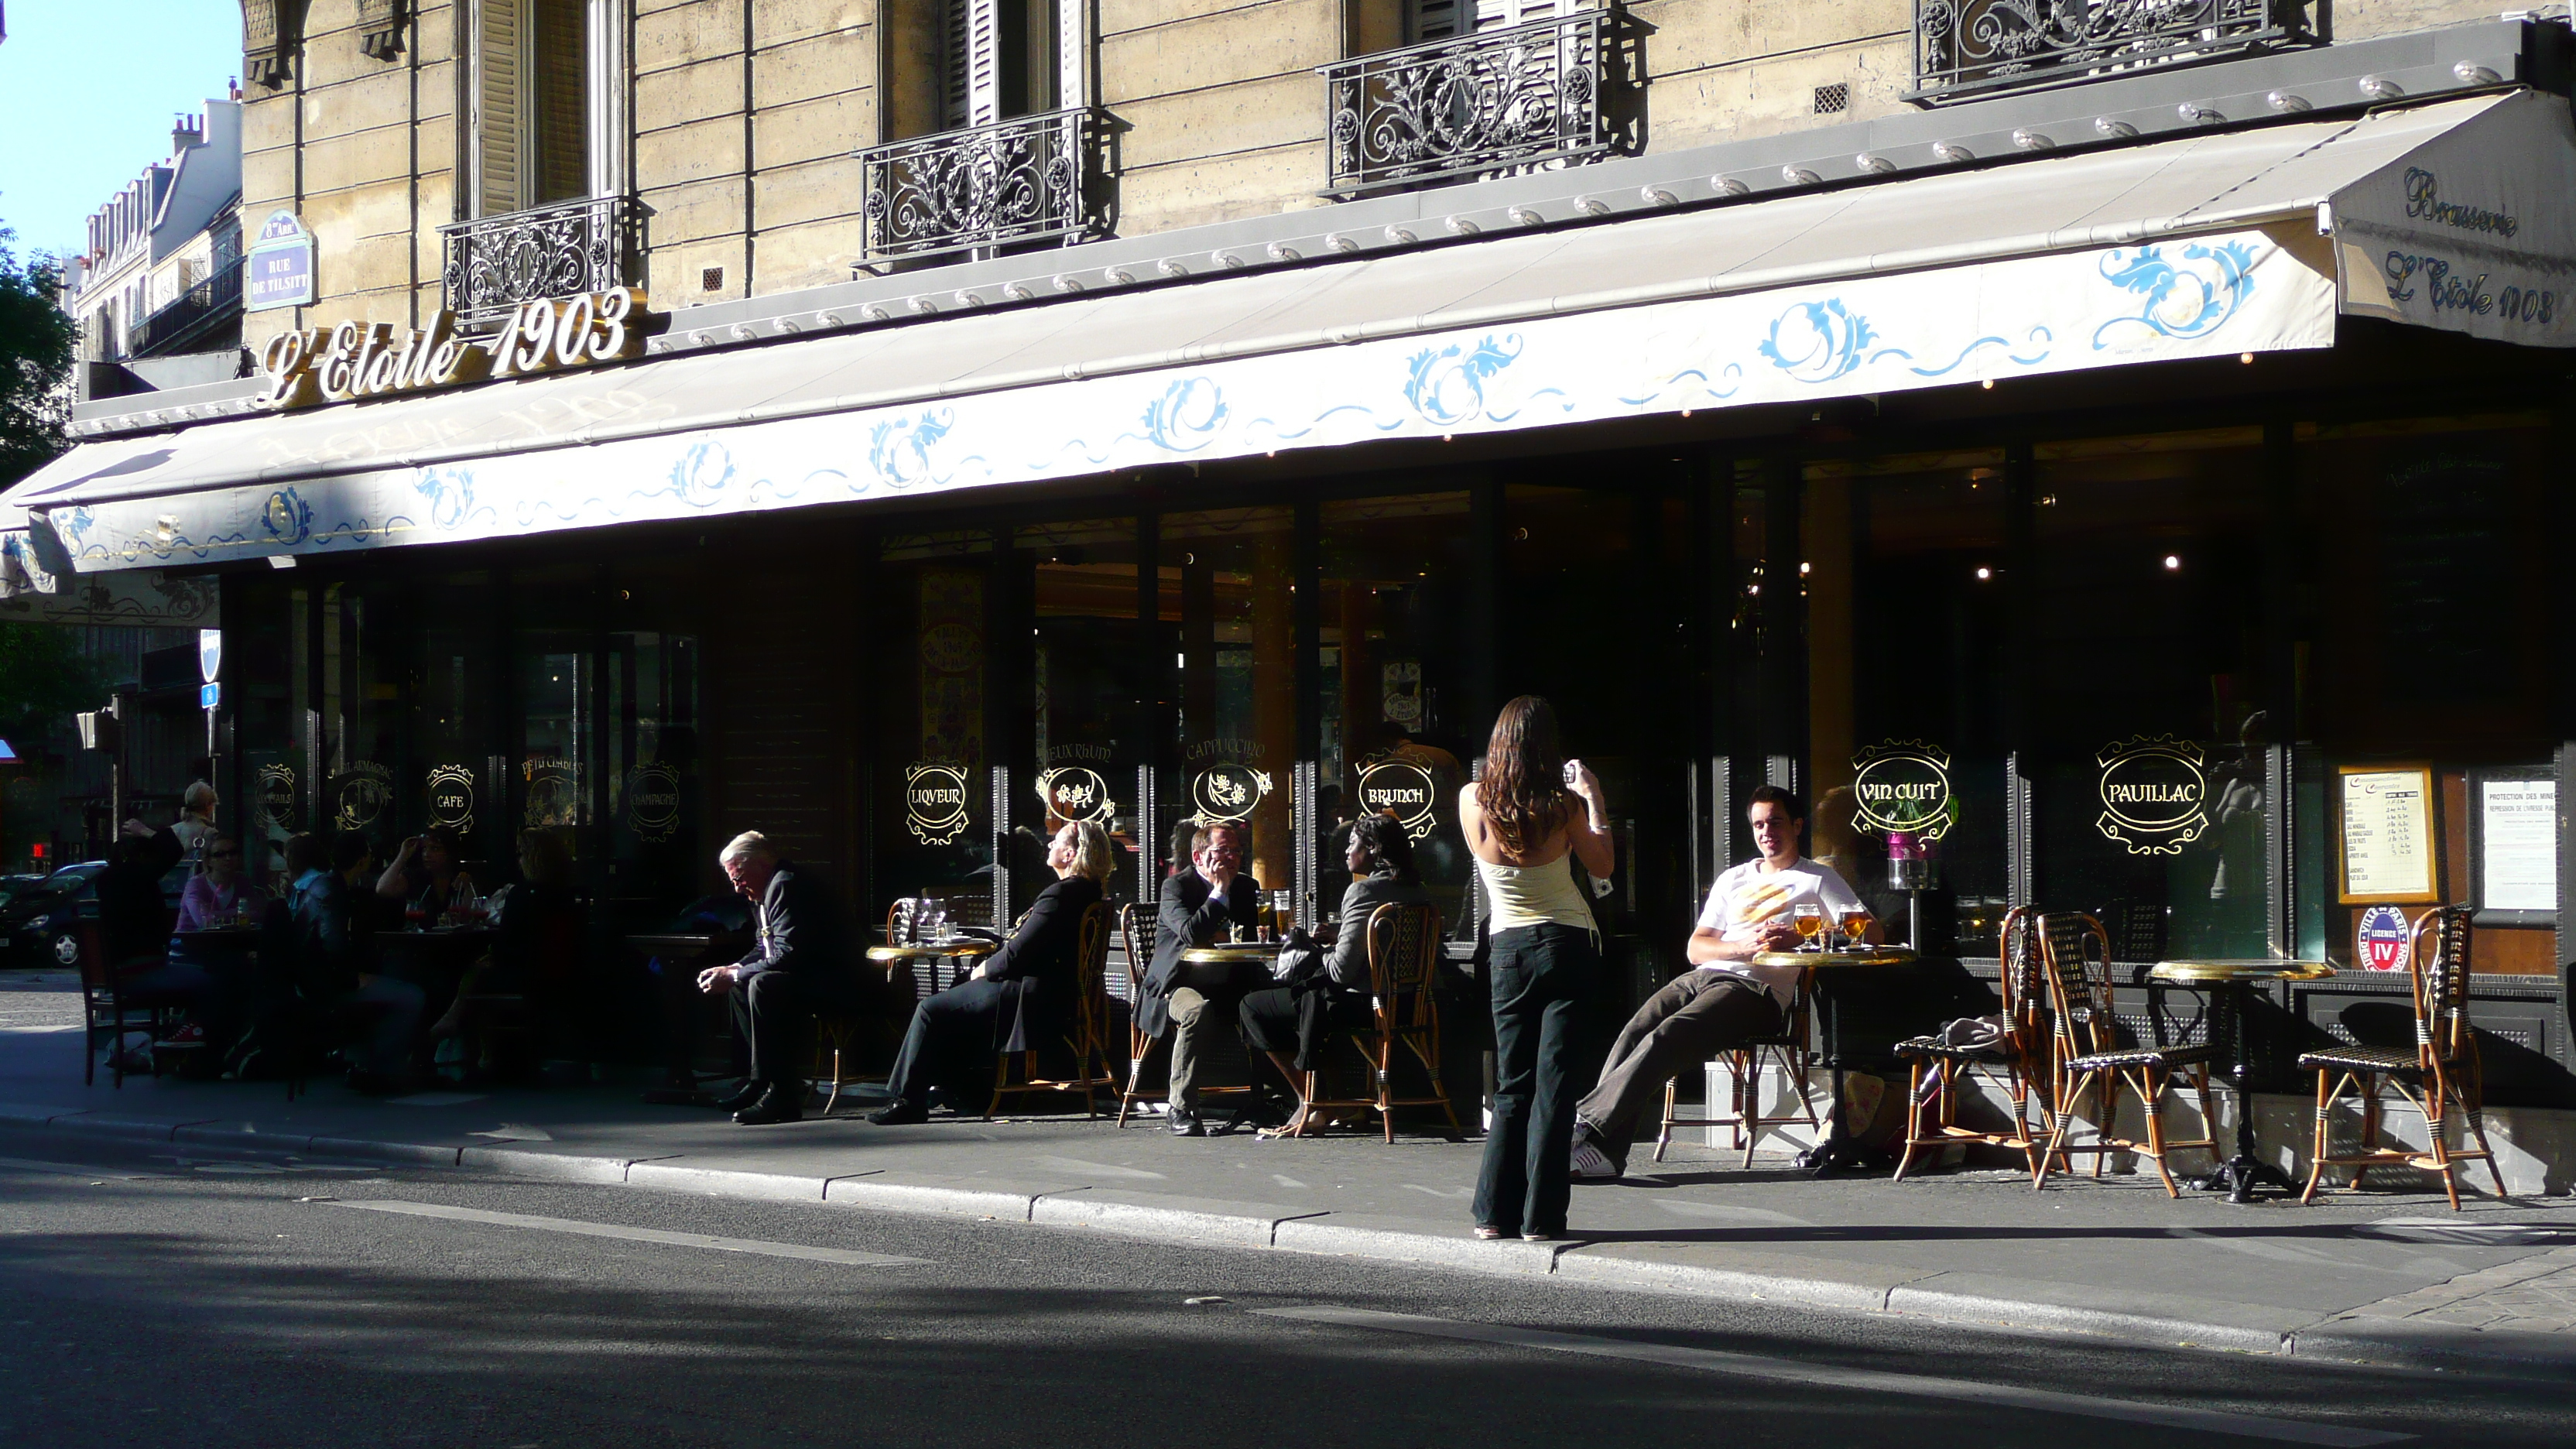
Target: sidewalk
x=2392 y=1278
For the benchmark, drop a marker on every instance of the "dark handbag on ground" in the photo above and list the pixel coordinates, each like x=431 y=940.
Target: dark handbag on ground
x=1300 y=959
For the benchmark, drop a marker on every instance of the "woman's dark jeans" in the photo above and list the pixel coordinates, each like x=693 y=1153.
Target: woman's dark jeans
x=1539 y=974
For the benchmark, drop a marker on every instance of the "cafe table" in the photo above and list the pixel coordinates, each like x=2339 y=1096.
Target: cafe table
x=1228 y=966
x=2230 y=983
x=1837 y=1150
x=687 y=1010
x=959 y=956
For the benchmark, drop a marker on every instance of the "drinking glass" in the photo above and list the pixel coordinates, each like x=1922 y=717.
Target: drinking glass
x=416 y=916
x=935 y=914
x=1811 y=925
x=1855 y=924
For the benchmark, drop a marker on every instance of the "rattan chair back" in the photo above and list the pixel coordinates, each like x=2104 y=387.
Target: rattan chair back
x=2442 y=983
x=1403 y=952
x=899 y=922
x=2076 y=957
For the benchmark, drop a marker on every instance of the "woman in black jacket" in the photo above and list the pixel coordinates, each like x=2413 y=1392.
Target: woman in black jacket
x=1020 y=998
x=1303 y=1015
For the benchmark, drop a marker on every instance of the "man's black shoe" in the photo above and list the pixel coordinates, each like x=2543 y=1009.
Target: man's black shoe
x=1186 y=1124
x=736 y=1101
x=899 y=1113
x=783 y=1102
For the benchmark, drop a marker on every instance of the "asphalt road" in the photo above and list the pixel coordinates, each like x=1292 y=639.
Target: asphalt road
x=154 y=1295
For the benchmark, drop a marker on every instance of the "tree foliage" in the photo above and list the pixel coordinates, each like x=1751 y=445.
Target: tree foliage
x=44 y=676
x=35 y=360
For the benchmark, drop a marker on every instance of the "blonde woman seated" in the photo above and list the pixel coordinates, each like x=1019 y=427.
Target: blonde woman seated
x=1022 y=997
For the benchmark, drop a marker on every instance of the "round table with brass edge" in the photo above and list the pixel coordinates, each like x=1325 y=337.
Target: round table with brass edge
x=2230 y=983
x=961 y=955
x=1837 y=1149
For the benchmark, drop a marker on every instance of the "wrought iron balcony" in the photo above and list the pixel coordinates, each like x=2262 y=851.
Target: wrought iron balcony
x=190 y=315
x=1965 y=48
x=1028 y=179
x=1521 y=98
x=496 y=262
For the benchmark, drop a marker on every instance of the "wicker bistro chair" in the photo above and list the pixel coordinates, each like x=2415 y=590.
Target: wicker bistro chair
x=105 y=1011
x=1744 y=1062
x=1089 y=1038
x=2091 y=1061
x=2017 y=1064
x=1403 y=959
x=2442 y=1071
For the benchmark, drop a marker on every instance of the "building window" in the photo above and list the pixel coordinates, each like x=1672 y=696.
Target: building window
x=536 y=102
x=1445 y=19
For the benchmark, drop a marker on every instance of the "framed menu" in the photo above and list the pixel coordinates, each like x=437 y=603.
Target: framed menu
x=2388 y=841
x=2513 y=846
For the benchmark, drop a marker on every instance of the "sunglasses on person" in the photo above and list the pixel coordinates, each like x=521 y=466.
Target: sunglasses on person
x=223 y=855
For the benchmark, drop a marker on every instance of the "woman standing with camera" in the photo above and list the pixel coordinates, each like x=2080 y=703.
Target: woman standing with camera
x=1527 y=818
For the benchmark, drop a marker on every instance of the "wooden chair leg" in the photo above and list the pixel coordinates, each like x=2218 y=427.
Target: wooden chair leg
x=1913 y=1117
x=1664 y=1134
x=2317 y=1154
x=2151 y=1092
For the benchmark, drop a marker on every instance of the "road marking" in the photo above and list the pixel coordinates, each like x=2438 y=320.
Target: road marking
x=516 y=1132
x=633 y=1235
x=1832 y=1377
x=1098 y=1169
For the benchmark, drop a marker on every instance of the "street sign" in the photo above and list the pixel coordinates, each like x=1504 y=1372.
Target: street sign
x=209 y=695
x=279 y=270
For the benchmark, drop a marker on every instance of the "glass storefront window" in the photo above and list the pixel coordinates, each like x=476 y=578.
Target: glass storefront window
x=454 y=715
x=651 y=746
x=1226 y=579
x=1904 y=576
x=2149 y=748
x=554 y=679
x=361 y=713
x=1393 y=649
x=930 y=798
x=1086 y=667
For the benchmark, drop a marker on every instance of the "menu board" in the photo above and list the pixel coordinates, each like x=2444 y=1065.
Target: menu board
x=2517 y=844
x=2388 y=847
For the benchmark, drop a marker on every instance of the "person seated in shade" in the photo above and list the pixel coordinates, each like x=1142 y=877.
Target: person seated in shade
x=1730 y=997
x=221 y=896
x=1022 y=998
x=536 y=945
x=1301 y=1018
x=428 y=872
x=335 y=966
x=1198 y=906
x=799 y=964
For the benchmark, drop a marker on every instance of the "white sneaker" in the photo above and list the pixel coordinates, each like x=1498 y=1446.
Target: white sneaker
x=1591 y=1164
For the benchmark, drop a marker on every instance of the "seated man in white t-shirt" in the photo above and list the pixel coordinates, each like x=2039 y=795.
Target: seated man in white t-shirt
x=1728 y=999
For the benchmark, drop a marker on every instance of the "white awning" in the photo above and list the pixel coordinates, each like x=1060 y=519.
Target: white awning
x=2203 y=247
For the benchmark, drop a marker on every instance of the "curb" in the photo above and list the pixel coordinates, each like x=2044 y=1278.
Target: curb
x=1967 y=1299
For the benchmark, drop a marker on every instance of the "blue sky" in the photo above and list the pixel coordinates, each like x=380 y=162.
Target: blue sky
x=87 y=92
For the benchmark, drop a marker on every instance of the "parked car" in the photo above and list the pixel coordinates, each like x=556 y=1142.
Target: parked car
x=36 y=922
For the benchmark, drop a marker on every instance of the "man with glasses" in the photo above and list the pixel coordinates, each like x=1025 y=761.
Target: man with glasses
x=799 y=964
x=1728 y=999
x=1198 y=905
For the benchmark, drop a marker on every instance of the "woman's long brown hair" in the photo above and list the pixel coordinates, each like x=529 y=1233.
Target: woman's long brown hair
x=1522 y=790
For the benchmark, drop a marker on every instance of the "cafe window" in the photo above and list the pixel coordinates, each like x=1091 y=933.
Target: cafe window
x=651 y=737
x=359 y=710
x=1903 y=573
x=1226 y=582
x=554 y=680
x=265 y=683
x=932 y=684
x=1086 y=677
x=451 y=768
x=2155 y=765
x=1394 y=646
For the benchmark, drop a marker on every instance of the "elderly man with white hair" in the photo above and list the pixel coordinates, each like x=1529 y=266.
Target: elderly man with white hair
x=800 y=963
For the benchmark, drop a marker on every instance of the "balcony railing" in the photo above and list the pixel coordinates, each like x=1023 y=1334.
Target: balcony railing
x=1028 y=179
x=494 y=263
x=1966 y=48
x=1548 y=93
x=189 y=315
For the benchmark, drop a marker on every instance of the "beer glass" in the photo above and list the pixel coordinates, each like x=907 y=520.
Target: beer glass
x=1810 y=919
x=1855 y=924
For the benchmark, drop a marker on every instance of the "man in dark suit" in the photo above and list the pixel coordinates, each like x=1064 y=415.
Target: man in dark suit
x=1198 y=905
x=799 y=964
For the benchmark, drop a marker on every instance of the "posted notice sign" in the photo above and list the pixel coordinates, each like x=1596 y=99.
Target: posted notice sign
x=278 y=271
x=2388 y=845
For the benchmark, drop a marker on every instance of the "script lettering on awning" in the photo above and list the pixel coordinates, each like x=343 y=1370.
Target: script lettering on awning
x=357 y=360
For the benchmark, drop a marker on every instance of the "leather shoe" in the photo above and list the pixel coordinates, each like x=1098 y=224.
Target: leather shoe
x=899 y=1113
x=736 y=1101
x=1186 y=1124
x=783 y=1102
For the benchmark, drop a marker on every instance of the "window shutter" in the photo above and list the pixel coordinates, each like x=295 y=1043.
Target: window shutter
x=970 y=63
x=499 y=106
x=559 y=60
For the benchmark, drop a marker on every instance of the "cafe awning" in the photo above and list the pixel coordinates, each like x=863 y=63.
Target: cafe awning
x=2458 y=215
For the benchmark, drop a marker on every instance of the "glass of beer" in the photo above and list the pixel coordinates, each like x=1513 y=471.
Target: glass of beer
x=1855 y=924
x=1810 y=919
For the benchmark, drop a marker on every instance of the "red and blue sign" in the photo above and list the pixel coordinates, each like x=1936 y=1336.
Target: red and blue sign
x=2382 y=941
